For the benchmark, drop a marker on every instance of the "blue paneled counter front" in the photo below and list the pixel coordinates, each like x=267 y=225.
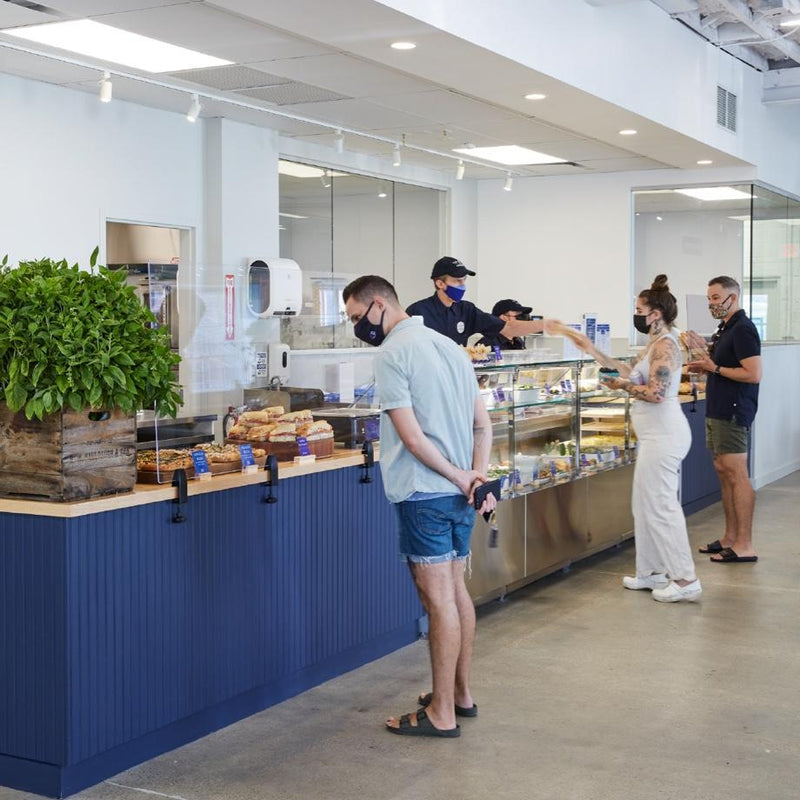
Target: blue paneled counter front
x=126 y=634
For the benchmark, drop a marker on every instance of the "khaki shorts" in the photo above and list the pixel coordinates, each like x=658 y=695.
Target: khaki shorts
x=724 y=436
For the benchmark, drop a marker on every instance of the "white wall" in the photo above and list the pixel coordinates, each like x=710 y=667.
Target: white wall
x=776 y=431
x=68 y=163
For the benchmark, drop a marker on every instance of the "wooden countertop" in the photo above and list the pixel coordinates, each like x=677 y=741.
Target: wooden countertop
x=144 y=494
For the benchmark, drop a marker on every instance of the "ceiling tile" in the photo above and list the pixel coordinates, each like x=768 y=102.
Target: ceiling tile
x=346 y=75
x=13 y=16
x=89 y=8
x=442 y=106
x=214 y=32
x=622 y=164
x=292 y=94
x=357 y=114
x=230 y=78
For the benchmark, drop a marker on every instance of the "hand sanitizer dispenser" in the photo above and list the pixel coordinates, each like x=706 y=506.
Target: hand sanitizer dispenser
x=274 y=287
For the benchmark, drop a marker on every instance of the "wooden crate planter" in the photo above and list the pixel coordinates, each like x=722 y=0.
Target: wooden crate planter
x=66 y=456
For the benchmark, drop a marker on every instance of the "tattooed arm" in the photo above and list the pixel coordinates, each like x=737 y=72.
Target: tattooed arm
x=665 y=358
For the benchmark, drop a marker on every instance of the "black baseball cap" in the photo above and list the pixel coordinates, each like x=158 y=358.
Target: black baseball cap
x=447 y=265
x=504 y=306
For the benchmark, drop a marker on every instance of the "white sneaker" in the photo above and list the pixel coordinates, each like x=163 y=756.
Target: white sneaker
x=674 y=593
x=656 y=581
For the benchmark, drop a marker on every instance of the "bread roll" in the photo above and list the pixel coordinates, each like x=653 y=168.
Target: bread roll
x=297 y=416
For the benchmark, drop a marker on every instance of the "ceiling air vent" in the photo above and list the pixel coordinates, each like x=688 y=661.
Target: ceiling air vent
x=726 y=109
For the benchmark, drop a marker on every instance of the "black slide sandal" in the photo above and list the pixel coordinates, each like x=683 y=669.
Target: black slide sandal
x=711 y=547
x=728 y=556
x=425 y=700
x=417 y=724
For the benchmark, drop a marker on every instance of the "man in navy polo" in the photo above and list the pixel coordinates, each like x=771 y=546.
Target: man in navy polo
x=448 y=313
x=733 y=364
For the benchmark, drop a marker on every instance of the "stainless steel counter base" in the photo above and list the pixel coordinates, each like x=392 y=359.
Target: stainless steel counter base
x=548 y=530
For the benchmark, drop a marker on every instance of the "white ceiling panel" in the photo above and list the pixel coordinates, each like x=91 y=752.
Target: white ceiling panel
x=340 y=73
x=622 y=164
x=357 y=114
x=13 y=16
x=90 y=8
x=443 y=106
x=579 y=149
x=217 y=33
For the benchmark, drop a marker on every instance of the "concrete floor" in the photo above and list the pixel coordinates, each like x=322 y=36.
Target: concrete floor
x=585 y=690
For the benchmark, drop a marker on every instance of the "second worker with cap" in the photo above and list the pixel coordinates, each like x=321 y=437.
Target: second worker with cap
x=448 y=313
x=507 y=310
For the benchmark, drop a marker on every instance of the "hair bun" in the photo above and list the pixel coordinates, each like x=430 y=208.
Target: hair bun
x=660 y=284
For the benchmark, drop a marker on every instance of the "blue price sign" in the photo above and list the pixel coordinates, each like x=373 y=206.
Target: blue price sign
x=499 y=395
x=372 y=429
x=498 y=356
x=200 y=463
x=303 y=446
x=246 y=453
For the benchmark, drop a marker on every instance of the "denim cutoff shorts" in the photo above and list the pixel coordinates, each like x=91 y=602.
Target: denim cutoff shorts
x=436 y=530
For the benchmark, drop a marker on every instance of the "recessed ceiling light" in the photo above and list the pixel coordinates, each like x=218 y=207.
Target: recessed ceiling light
x=382 y=194
x=704 y=162
x=535 y=96
x=715 y=193
x=511 y=155
x=403 y=45
x=660 y=219
x=113 y=44
x=628 y=132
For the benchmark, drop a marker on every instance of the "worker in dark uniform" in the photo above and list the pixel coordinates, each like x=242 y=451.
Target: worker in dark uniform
x=507 y=310
x=445 y=311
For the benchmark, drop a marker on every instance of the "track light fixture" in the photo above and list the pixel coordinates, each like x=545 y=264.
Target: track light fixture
x=397 y=159
x=106 y=88
x=325 y=179
x=509 y=182
x=227 y=99
x=194 y=109
x=460 y=169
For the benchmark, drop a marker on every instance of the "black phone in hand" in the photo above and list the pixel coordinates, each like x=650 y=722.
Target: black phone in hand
x=484 y=489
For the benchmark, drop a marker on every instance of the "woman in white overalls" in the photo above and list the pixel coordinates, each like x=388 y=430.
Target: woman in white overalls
x=664 y=561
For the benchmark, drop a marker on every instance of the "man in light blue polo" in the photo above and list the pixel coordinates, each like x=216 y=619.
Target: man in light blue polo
x=435 y=441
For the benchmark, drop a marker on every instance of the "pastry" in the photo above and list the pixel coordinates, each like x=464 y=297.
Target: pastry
x=297 y=416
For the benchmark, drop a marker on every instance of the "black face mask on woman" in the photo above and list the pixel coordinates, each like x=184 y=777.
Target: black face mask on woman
x=369 y=332
x=640 y=323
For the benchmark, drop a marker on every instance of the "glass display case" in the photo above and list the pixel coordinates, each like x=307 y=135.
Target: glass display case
x=553 y=422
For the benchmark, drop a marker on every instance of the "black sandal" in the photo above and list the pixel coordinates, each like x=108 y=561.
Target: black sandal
x=425 y=700
x=711 y=547
x=417 y=724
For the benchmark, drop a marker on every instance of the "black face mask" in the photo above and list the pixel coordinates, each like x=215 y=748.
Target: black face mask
x=367 y=332
x=640 y=323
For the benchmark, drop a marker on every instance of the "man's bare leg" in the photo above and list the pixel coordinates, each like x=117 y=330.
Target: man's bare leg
x=743 y=498
x=436 y=589
x=728 y=505
x=466 y=616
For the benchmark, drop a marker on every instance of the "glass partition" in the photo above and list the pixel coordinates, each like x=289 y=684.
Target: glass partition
x=743 y=230
x=338 y=226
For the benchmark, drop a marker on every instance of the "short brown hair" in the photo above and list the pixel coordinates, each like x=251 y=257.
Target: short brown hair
x=658 y=296
x=363 y=289
x=729 y=284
